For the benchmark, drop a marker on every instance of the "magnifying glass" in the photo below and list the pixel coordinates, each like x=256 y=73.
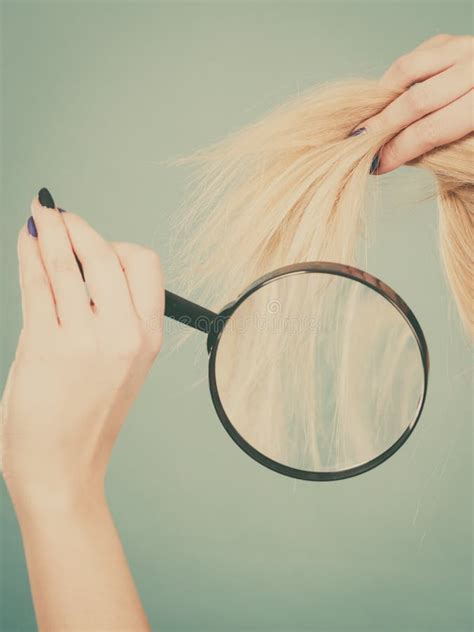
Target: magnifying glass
x=317 y=371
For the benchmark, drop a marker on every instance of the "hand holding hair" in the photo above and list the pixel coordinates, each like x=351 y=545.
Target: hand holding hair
x=436 y=104
x=292 y=186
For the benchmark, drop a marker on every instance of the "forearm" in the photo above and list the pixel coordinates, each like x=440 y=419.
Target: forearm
x=85 y=349
x=79 y=576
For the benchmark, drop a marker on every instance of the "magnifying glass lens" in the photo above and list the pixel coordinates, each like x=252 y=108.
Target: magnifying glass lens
x=319 y=372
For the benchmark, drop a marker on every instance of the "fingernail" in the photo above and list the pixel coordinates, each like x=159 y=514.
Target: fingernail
x=359 y=130
x=45 y=198
x=375 y=164
x=62 y=210
x=32 y=227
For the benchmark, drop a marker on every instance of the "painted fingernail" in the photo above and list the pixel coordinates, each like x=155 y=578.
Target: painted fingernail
x=375 y=164
x=45 y=198
x=359 y=130
x=62 y=210
x=32 y=227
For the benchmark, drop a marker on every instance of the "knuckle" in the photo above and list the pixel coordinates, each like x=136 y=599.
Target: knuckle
x=36 y=282
x=440 y=37
x=466 y=43
x=428 y=133
x=391 y=153
x=147 y=256
x=62 y=265
x=418 y=99
x=402 y=68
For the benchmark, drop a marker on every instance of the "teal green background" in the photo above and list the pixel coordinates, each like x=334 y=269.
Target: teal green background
x=95 y=97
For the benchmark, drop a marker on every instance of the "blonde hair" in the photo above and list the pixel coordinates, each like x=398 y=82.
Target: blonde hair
x=293 y=188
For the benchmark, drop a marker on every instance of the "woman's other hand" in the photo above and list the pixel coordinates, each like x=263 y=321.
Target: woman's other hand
x=436 y=106
x=82 y=356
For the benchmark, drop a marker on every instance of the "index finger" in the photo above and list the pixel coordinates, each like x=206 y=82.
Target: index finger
x=423 y=99
x=60 y=264
x=422 y=63
x=37 y=297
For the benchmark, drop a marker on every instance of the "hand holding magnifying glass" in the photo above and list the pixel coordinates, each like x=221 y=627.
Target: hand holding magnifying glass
x=317 y=370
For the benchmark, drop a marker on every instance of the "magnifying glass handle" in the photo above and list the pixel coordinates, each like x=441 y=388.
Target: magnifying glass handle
x=188 y=313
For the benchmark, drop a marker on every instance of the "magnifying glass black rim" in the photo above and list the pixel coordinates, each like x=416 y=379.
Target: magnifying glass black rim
x=336 y=269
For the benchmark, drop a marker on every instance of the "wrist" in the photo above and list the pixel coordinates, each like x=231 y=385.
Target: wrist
x=37 y=501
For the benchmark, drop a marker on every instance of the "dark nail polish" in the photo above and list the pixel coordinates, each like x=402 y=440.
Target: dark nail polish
x=360 y=130
x=32 y=227
x=62 y=210
x=375 y=164
x=46 y=199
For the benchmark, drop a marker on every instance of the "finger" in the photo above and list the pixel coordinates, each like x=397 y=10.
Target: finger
x=39 y=312
x=144 y=275
x=424 y=98
x=423 y=63
x=444 y=126
x=105 y=280
x=436 y=40
x=70 y=295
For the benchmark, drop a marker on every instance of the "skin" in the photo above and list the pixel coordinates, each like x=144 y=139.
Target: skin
x=79 y=364
x=76 y=372
x=437 y=103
